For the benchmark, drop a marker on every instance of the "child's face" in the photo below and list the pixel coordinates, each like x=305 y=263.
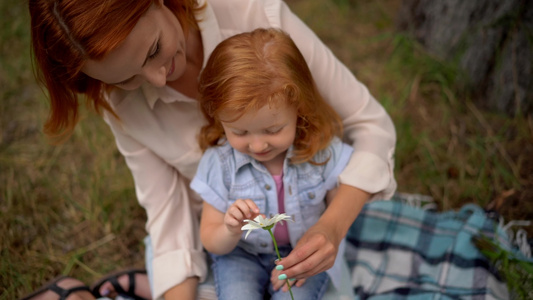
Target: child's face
x=265 y=135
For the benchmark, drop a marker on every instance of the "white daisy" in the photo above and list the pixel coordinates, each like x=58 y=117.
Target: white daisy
x=261 y=222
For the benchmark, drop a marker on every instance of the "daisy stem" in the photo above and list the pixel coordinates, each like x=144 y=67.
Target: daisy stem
x=279 y=257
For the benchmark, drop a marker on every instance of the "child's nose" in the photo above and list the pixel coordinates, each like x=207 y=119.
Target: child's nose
x=258 y=145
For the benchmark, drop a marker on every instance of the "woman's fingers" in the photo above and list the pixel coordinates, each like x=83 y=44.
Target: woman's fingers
x=276 y=283
x=282 y=283
x=297 y=283
x=314 y=254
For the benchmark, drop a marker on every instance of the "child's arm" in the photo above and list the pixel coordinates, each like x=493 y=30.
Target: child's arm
x=330 y=195
x=221 y=232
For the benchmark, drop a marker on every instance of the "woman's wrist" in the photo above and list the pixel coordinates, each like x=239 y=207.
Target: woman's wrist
x=343 y=210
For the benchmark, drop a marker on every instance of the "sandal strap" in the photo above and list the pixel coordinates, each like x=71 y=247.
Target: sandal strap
x=113 y=279
x=131 y=288
x=116 y=285
x=64 y=293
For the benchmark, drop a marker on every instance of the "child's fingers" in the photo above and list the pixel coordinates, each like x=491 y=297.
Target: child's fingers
x=232 y=221
x=253 y=209
x=235 y=212
x=239 y=211
x=244 y=209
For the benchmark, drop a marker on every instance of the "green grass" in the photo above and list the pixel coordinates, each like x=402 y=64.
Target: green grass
x=67 y=209
x=71 y=209
x=457 y=153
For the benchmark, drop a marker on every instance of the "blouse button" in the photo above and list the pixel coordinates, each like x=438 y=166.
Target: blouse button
x=263 y=245
x=311 y=195
x=267 y=187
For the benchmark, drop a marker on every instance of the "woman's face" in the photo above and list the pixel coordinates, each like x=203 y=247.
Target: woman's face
x=154 y=52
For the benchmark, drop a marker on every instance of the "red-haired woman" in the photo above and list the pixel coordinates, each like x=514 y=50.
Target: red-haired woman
x=138 y=62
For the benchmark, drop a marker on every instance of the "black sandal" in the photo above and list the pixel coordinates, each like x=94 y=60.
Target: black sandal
x=52 y=286
x=113 y=279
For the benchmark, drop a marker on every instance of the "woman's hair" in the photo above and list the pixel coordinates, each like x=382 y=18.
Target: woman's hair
x=67 y=33
x=250 y=70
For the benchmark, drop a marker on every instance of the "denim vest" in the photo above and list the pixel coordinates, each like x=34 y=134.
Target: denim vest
x=225 y=175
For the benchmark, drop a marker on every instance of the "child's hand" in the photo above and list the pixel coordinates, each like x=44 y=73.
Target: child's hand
x=277 y=284
x=240 y=210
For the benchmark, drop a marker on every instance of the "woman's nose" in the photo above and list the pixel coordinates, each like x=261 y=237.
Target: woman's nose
x=157 y=77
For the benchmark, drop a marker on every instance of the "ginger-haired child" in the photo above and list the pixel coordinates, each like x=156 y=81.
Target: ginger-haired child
x=271 y=146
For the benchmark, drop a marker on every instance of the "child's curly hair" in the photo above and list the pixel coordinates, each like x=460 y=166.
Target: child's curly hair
x=253 y=69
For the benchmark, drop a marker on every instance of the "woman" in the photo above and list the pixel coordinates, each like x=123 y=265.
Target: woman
x=138 y=63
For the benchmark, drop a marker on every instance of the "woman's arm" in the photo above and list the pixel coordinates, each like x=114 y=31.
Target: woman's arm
x=367 y=126
x=183 y=291
x=317 y=249
x=172 y=214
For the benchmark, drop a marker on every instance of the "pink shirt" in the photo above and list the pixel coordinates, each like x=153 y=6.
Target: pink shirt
x=158 y=129
x=281 y=232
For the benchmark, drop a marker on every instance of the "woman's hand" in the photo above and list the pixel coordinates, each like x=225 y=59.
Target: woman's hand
x=317 y=249
x=240 y=210
x=315 y=253
x=277 y=283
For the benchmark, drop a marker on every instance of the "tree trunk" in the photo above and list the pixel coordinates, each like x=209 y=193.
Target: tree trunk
x=491 y=39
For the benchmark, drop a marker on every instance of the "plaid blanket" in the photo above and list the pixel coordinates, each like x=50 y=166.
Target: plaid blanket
x=401 y=249
x=397 y=251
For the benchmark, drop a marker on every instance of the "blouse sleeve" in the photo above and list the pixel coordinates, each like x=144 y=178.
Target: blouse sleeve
x=367 y=126
x=173 y=217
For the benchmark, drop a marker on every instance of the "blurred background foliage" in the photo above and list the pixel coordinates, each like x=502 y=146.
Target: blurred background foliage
x=71 y=209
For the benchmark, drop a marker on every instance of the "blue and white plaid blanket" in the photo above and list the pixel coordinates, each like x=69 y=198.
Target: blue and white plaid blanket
x=397 y=251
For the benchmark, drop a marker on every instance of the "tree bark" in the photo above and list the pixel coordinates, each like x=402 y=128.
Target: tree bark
x=492 y=40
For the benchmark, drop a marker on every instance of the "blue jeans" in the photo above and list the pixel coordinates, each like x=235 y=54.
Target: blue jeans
x=344 y=293
x=243 y=275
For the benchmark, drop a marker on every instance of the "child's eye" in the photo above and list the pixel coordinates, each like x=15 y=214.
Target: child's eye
x=239 y=133
x=274 y=131
x=156 y=51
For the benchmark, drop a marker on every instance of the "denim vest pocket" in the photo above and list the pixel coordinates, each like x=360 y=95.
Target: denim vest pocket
x=312 y=200
x=312 y=196
x=311 y=189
